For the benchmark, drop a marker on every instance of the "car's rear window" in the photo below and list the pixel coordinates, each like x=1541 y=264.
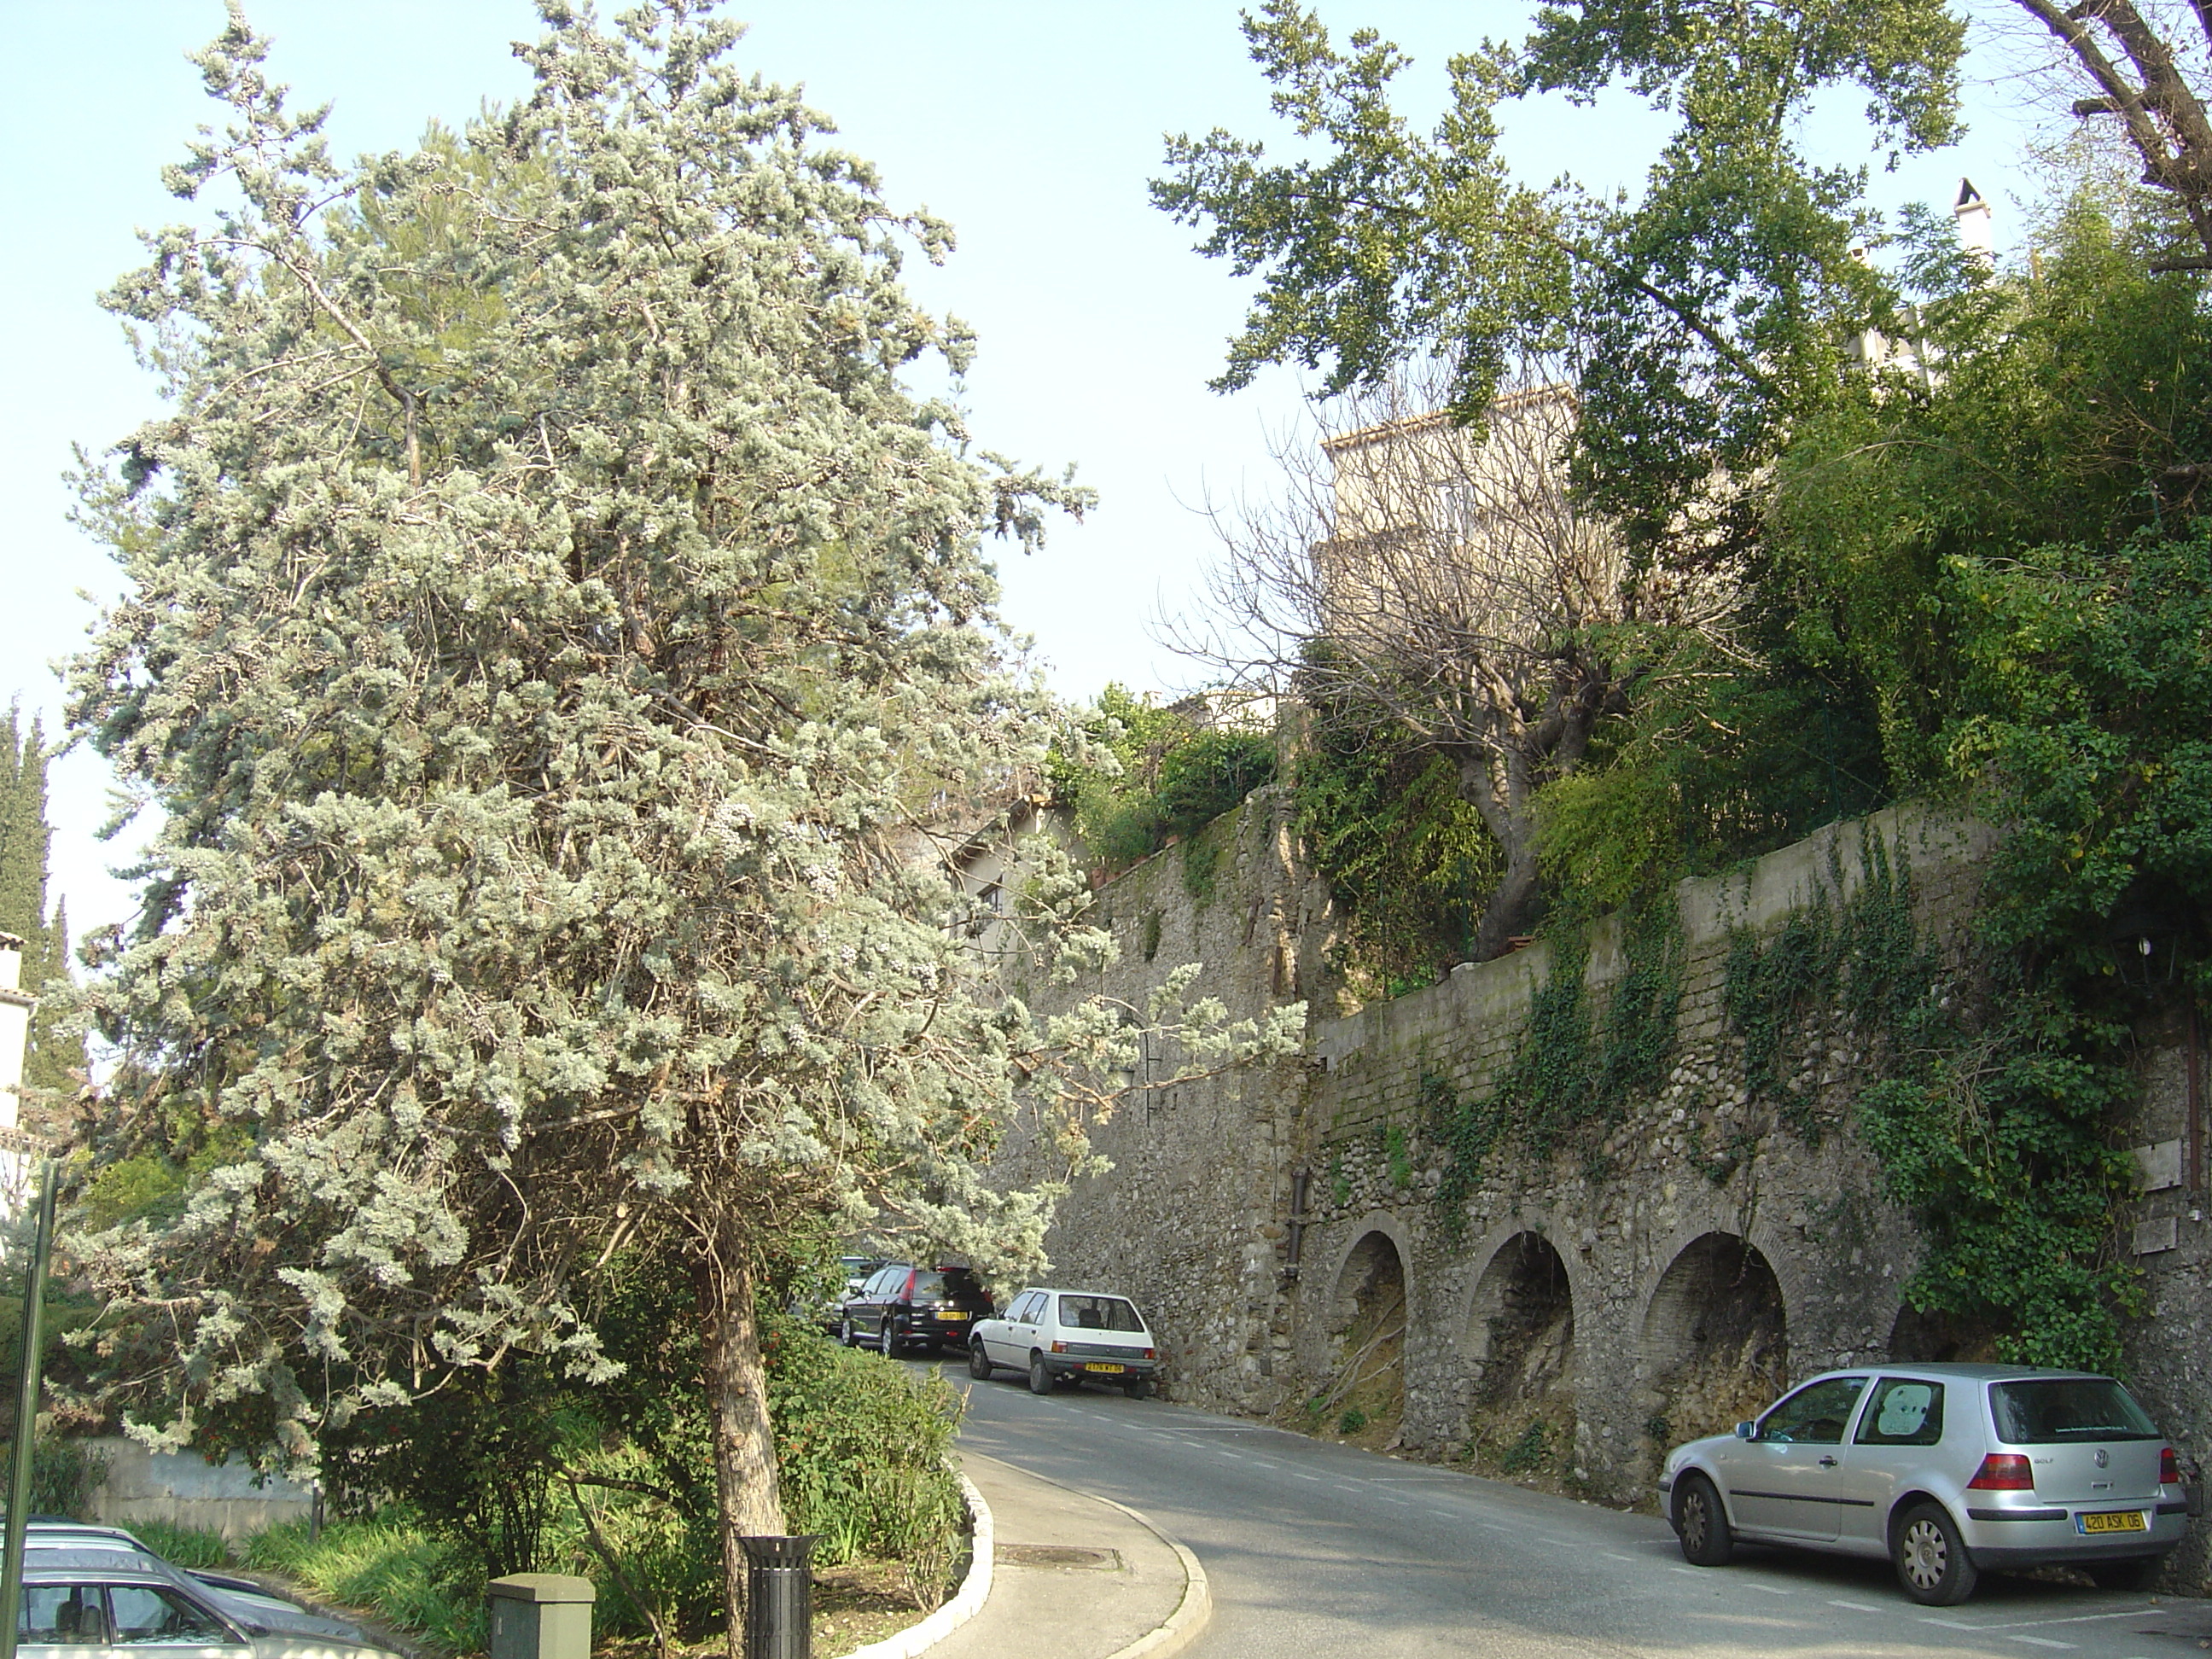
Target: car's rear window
x=950 y=1282
x=1098 y=1313
x=2055 y=1411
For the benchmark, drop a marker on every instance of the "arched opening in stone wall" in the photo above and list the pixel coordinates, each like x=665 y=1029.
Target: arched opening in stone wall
x=1521 y=1339
x=1941 y=1338
x=1716 y=1341
x=1365 y=1398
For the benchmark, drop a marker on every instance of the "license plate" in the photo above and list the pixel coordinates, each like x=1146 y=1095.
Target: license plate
x=2110 y=1521
x=952 y=1315
x=1093 y=1366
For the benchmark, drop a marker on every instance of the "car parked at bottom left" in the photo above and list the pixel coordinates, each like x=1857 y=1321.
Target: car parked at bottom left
x=63 y=1544
x=97 y=1608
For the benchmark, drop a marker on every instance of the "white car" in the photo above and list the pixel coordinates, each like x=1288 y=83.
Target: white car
x=1063 y=1338
x=103 y=1608
x=61 y=1545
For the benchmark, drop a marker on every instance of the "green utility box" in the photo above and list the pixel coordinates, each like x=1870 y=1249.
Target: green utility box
x=540 y=1615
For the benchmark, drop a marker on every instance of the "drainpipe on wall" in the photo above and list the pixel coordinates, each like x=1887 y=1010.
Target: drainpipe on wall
x=2194 y=1135
x=1300 y=1179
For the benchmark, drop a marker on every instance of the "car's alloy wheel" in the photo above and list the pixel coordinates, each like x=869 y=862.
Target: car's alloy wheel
x=1039 y=1378
x=979 y=1363
x=845 y=1332
x=1701 y=1523
x=1933 y=1567
x=886 y=1343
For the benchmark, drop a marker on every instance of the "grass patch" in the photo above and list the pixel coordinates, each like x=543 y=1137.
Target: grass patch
x=188 y=1546
x=386 y=1567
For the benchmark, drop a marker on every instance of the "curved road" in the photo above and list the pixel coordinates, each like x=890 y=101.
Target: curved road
x=1316 y=1549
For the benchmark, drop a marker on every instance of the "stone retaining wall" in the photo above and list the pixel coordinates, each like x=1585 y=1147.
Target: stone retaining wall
x=1710 y=1251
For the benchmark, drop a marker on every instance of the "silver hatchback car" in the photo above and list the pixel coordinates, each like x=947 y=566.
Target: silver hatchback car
x=1945 y=1470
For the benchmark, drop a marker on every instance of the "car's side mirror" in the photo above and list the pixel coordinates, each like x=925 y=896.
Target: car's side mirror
x=1746 y=1431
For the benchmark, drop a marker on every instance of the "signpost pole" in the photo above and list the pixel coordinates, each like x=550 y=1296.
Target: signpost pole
x=26 y=1415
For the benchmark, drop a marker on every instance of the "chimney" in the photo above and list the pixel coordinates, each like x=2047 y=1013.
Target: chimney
x=1975 y=236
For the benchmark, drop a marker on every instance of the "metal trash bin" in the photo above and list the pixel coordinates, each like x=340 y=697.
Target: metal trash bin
x=540 y=1615
x=779 y=1598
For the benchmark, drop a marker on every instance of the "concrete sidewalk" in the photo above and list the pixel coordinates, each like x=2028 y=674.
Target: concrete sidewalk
x=1076 y=1575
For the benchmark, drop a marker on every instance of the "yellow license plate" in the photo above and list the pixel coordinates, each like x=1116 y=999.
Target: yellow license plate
x=1095 y=1366
x=952 y=1315
x=2111 y=1520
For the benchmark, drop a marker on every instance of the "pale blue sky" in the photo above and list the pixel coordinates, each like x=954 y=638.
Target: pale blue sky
x=1034 y=127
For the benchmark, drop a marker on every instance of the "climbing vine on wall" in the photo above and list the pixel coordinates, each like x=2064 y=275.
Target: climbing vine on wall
x=1850 y=971
x=1980 y=1094
x=1574 y=1069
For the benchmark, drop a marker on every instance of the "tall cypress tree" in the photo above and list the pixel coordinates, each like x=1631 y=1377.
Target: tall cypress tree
x=25 y=839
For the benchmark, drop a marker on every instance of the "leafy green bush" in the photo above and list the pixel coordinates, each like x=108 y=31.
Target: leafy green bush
x=1529 y=1451
x=1408 y=860
x=1171 y=775
x=64 y=1474
x=863 y=1447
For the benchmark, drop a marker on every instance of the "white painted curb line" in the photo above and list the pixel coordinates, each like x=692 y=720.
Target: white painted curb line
x=966 y=1603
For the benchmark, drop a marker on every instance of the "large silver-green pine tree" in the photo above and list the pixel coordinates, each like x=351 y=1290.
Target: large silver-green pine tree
x=551 y=618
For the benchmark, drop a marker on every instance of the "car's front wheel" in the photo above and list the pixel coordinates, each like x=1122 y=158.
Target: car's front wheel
x=1933 y=1567
x=1701 y=1523
x=1039 y=1378
x=979 y=1363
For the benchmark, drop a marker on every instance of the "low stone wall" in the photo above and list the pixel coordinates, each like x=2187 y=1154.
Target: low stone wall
x=185 y=1489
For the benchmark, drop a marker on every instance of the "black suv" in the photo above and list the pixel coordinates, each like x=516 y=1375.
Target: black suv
x=905 y=1306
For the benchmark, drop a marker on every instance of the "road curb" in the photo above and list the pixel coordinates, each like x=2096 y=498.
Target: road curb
x=967 y=1602
x=1182 y=1626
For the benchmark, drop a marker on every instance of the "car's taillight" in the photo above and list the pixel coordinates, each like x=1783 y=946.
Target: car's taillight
x=2169 y=1468
x=1060 y=1347
x=1149 y=1354
x=2003 y=1472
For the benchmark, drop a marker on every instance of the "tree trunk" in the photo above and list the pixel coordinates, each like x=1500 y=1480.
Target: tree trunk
x=747 y=1500
x=1512 y=902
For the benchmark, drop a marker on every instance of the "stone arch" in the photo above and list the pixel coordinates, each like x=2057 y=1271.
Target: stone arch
x=1521 y=1320
x=1520 y=1343
x=1715 y=1342
x=1365 y=1394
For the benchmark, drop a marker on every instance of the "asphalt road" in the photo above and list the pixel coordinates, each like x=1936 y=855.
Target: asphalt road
x=1316 y=1549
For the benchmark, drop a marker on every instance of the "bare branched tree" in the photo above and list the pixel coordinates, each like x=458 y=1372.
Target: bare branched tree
x=2141 y=59
x=1425 y=581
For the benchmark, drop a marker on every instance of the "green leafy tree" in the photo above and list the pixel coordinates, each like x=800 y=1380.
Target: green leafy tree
x=548 y=614
x=1704 y=317
x=2014 y=556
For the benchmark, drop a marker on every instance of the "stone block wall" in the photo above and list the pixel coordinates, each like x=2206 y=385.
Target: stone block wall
x=1658 y=1278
